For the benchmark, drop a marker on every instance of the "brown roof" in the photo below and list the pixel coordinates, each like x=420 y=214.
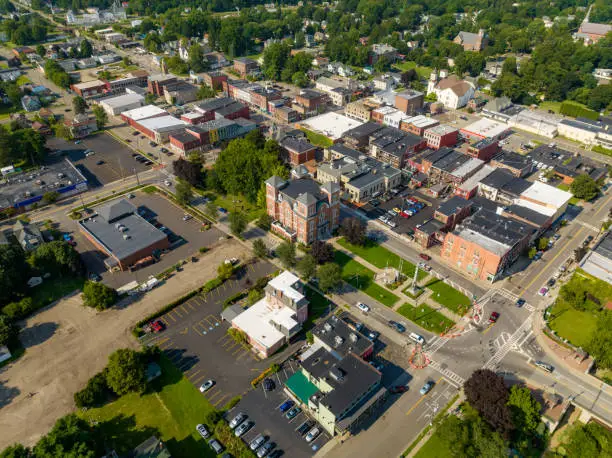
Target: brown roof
x=459 y=87
x=139 y=73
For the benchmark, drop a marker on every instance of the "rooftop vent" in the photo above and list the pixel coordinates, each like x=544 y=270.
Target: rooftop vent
x=327 y=327
x=338 y=341
x=336 y=374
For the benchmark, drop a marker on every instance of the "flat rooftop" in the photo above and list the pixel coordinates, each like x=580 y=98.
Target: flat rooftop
x=332 y=125
x=148 y=111
x=546 y=195
x=337 y=334
x=22 y=186
x=485 y=128
x=105 y=227
x=161 y=123
x=121 y=100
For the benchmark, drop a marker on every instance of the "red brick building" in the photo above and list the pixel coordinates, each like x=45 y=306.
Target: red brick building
x=214 y=80
x=302 y=210
x=245 y=66
x=296 y=150
x=157 y=83
x=440 y=136
x=482 y=149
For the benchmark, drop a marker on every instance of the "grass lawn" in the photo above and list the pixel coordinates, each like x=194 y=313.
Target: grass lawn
x=434 y=448
x=363 y=278
x=170 y=409
x=238 y=203
x=317 y=139
x=448 y=296
x=54 y=289
x=23 y=80
x=550 y=105
x=381 y=257
x=423 y=72
x=426 y=317
x=565 y=187
x=319 y=304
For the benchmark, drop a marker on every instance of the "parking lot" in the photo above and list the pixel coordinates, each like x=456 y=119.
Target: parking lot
x=188 y=235
x=117 y=158
x=262 y=407
x=404 y=225
x=195 y=339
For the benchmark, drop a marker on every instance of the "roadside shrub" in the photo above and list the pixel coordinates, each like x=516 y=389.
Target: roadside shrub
x=232 y=403
x=234 y=445
x=212 y=418
x=18 y=310
x=274 y=368
x=98 y=295
x=211 y=284
x=203 y=249
x=95 y=393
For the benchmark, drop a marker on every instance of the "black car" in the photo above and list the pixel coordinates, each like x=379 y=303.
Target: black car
x=99 y=162
x=305 y=427
x=520 y=302
x=397 y=326
x=268 y=384
x=550 y=282
x=135 y=133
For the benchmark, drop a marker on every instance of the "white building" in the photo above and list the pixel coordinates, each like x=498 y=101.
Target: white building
x=586 y=131
x=332 y=125
x=114 y=106
x=536 y=122
x=451 y=91
x=159 y=129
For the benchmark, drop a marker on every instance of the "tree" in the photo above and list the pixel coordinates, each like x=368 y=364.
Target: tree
x=14 y=272
x=50 y=197
x=353 y=229
x=486 y=392
x=98 y=295
x=408 y=76
x=525 y=410
x=125 y=372
x=307 y=267
x=79 y=105
x=286 y=253
x=584 y=187
x=126 y=62
x=184 y=193
x=189 y=171
x=40 y=50
x=195 y=59
x=238 y=223
x=95 y=392
x=470 y=437
x=15 y=451
x=259 y=248
x=206 y=92
x=86 y=49
x=71 y=436
x=542 y=243
x=211 y=209
x=322 y=251
x=599 y=346
x=264 y=222
x=8 y=330
x=56 y=257
x=101 y=116
x=225 y=270
x=532 y=252
x=330 y=276
x=588 y=441
x=150 y=99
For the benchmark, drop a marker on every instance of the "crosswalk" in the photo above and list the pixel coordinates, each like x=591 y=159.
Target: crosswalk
x=514 y=297
x=509 y=344
x=452 y=377
x=435 y=344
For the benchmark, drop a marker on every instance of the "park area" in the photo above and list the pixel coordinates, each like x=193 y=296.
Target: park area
x=426 y=317
x=362 y=278
x=170 y=409
x=448 y=296
x=581 y=305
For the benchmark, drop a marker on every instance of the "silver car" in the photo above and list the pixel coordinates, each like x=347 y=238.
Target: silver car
x=237 y=420
x=243 y=428
x=257 y=442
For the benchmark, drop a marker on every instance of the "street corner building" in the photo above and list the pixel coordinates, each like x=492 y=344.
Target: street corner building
x=274 y=320
x=302 y=210
x=124 y=236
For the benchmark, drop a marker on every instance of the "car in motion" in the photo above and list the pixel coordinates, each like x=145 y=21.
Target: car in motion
x=424 y=256
x=544 y=366
x=543 y=291
x=364 y=308
x=494 y=317
x=397 y=326
x=520 y=302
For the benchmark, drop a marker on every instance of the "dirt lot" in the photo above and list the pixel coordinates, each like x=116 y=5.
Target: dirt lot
x=66 y=344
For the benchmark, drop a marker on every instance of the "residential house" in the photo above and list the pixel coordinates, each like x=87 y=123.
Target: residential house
x=451 y=91
x=28 y=235
x=472 y=41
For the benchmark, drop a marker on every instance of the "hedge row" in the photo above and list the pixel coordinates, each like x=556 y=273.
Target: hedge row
x=578 y=111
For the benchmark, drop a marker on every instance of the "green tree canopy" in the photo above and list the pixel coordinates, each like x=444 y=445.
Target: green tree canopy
x=584 y=187
x=55 y=257
x=14 y=272
x=330 y=276
x=286 y=253
x=125 y=372
x=307 y=267
x=238 y=222
x=98 y=295
x=184 y=192
x=259 y=248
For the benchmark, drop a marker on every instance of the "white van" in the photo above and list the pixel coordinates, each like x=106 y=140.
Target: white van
x=417 y=338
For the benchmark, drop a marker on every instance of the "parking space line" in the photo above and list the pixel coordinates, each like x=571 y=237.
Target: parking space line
x=169 y=315
x=163 y=320
x=213 y=395
x=238 y=350
x=176 y=358
x=240 y=356
x=190 y=305
x=221 y=400
x=161 y=341
x=182 y=307
x=193 y=373
x=197 y=380
x=225 y=336
x=177 y=312
x=233 y=344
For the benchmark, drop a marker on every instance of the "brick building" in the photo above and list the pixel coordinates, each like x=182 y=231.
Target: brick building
x=158 y=82
x=409 y=101
x=296 y=151
x=245 y=66
x=302 y=210
x=214 y=80
x=440 y=136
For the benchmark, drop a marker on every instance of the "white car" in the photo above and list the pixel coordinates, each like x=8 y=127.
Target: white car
x=168 y=183
x=364 y=308
x=187 y=217
x=207 y=385
x=89 y=153
x=312 y=434
x=203 y=431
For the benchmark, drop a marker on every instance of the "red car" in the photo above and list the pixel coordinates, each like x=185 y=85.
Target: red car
x=404 y=215
x=493 y=318
x=399 y=389
x=157 y=326
x=425 y=256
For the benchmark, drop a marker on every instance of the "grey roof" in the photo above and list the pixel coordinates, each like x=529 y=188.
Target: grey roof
x=330 y=187
x=513 y=160
x=453 y=205
x=498 y=178
x=364 y=130
x=310 y=94
x=275 y=181
x=498 y=104
x=230 y=108
x=115 y=210
x=142 y=234
x=298 y=145
x=215 y=104
x=409 y=94
x=591 y=126
x=430 y=227
x=183 y=137
x=595 y=29
x=604 y=246
x=24 y=232
x=344 y=150
x=333 y=327
x=245 y=60
x=469 y=37
x=527 y=214
x=496 y=227
x=295 y=190
x=307 y=199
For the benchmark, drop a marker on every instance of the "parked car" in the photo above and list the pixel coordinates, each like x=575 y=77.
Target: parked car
x=157 y=326
x=377 y=365
x=216 y=446
x=373 y=335
x=187 y=217
x=293 y=413
x=424 y=256
x=265 y=449
x=243 y=428
x=494 y=317
x=268 y=384
x=364 y=308
x=207 y=385
x=392 y=224
x=95 y=277
x=168 y=183
x=239 y=418
x=397 y=210
x=222 y=210
x=203 y=431
x=543 y=291
x=397 y=326
x=544 y=366
x=89 y=153
x=426 y=388
x=313 y=434
x=417 y=338
x=259 y=440
x=551 y=282
x=100 y=162
x=276 y=453
x=286 y=405
x=305 y=427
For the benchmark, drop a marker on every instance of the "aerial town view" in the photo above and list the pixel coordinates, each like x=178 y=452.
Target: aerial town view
x=345 y=228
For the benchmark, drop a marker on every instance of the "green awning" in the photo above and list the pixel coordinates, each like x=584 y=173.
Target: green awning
x=299 y=385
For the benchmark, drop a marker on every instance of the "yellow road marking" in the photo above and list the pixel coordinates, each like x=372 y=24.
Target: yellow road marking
x=184 y=331
x=238 y=350
x=182 y=307
x=162 y=341
x=225 y=336
x=562 y=251
x=190 y=306
x=177 y=312
x=195 y=381
x=488 y=329
x=242 y=355
x=212 y=393
x=221 y=400
x=421 y=399
x=193 y=373
x=166 y=344
x=171 y=317
x=165 y=321
x=231 y=347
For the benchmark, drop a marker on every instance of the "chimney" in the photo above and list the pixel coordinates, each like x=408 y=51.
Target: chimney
x=481 y=33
